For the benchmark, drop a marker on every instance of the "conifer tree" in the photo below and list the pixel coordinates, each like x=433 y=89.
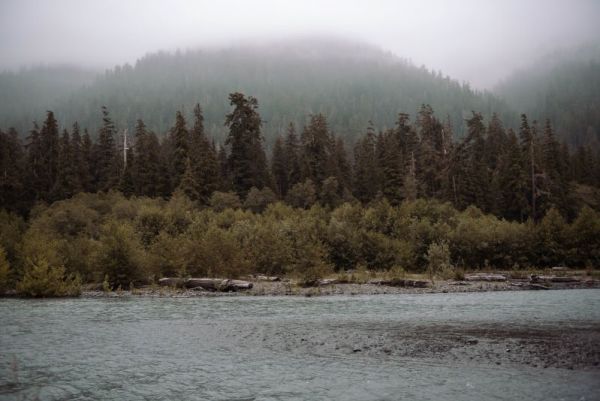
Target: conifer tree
x=429 y=153
x=12 y=161
x=50 y=144
x=512 y=201
x=188 y=184
x=147 y=169
x=279 y=168
x=292 y=149
x=247 y=160
x=392 y=166
x=203 y=157
x=35 y=165
x=366 y=168
x=67 y=180
x=178 y=136
x=316 y=150
x=343 y=168
x=106 y=163
x=556 y=187
x=86 y=176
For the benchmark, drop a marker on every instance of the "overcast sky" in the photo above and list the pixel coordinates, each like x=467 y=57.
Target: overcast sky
x=479 y=41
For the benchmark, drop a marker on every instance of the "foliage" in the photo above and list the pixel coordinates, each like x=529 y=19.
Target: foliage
x=119 y=255
x=220 y=201
x=438 y=258
x=4 y=271
x=42 y=280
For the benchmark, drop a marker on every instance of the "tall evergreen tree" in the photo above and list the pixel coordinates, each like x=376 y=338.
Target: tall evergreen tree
x=203 y=158
x=366 y=168
x=279 y=168
x=343 y=169
x=292 y=149
x=35 y=165
x=247 y=160
x=105 y=155
x=86 y=172
x=429 y=153
x=556 y=186
x=50 y=143
x=178 y=136
x=188 y=184
x=316 y=150
x=67 y=180
x=147 y=169
x=12 y=176
x=511 y=179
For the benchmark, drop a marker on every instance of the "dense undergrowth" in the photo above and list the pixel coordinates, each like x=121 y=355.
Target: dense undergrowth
x=107 y=237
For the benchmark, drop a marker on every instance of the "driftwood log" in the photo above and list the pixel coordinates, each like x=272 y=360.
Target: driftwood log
x=211 y=284
x=485 y=277
x=554 y=279
x=327 y=281
x=538 y=287
x=402 y=283
x=172 y=282
x=266 y=278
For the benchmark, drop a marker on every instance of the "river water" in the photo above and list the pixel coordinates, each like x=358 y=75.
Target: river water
x=384 y=347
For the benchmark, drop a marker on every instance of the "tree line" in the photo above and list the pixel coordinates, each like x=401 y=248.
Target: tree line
x=514 y=175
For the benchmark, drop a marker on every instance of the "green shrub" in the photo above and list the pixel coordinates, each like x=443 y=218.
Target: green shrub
x=41 y=280
x=4 y=271
x=106 y=284
x=258 y=200
x=220 y=201
x=119 y=255
x=302 y=195
x=438 y=258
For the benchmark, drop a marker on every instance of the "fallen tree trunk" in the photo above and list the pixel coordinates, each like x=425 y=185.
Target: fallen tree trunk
x=486 y=277
x=267 y=278
x=401 y=283
x=554 y=279
x=327 y=281
x=538 y=287
x=172 y=282
x=211 y=284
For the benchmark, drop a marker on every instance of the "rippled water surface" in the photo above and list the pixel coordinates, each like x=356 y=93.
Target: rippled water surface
x=266 y=348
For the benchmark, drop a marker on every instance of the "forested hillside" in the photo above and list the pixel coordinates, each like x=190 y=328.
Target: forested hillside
x=564 y=87
x=347 y=82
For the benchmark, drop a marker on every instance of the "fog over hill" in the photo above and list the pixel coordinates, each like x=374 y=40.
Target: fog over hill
x=352 y=83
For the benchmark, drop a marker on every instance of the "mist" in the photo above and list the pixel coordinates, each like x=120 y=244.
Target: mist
x=480 y=42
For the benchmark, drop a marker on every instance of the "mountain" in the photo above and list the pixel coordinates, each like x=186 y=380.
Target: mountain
x=563 y=86
x=350 y=83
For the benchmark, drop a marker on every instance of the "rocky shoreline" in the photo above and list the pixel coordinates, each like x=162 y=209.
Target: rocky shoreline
x=291 y=288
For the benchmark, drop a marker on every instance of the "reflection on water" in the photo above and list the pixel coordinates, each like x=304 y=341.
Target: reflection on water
x=261 y=348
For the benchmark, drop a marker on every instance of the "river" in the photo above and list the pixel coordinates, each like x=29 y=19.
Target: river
x=467 y=346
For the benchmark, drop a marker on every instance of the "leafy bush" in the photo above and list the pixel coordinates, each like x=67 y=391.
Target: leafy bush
x=4 y=271
x=41 y=280
x=258 y=200
x=220 y=201
x=438 y=258
x=302 y=195
x=119 y=255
